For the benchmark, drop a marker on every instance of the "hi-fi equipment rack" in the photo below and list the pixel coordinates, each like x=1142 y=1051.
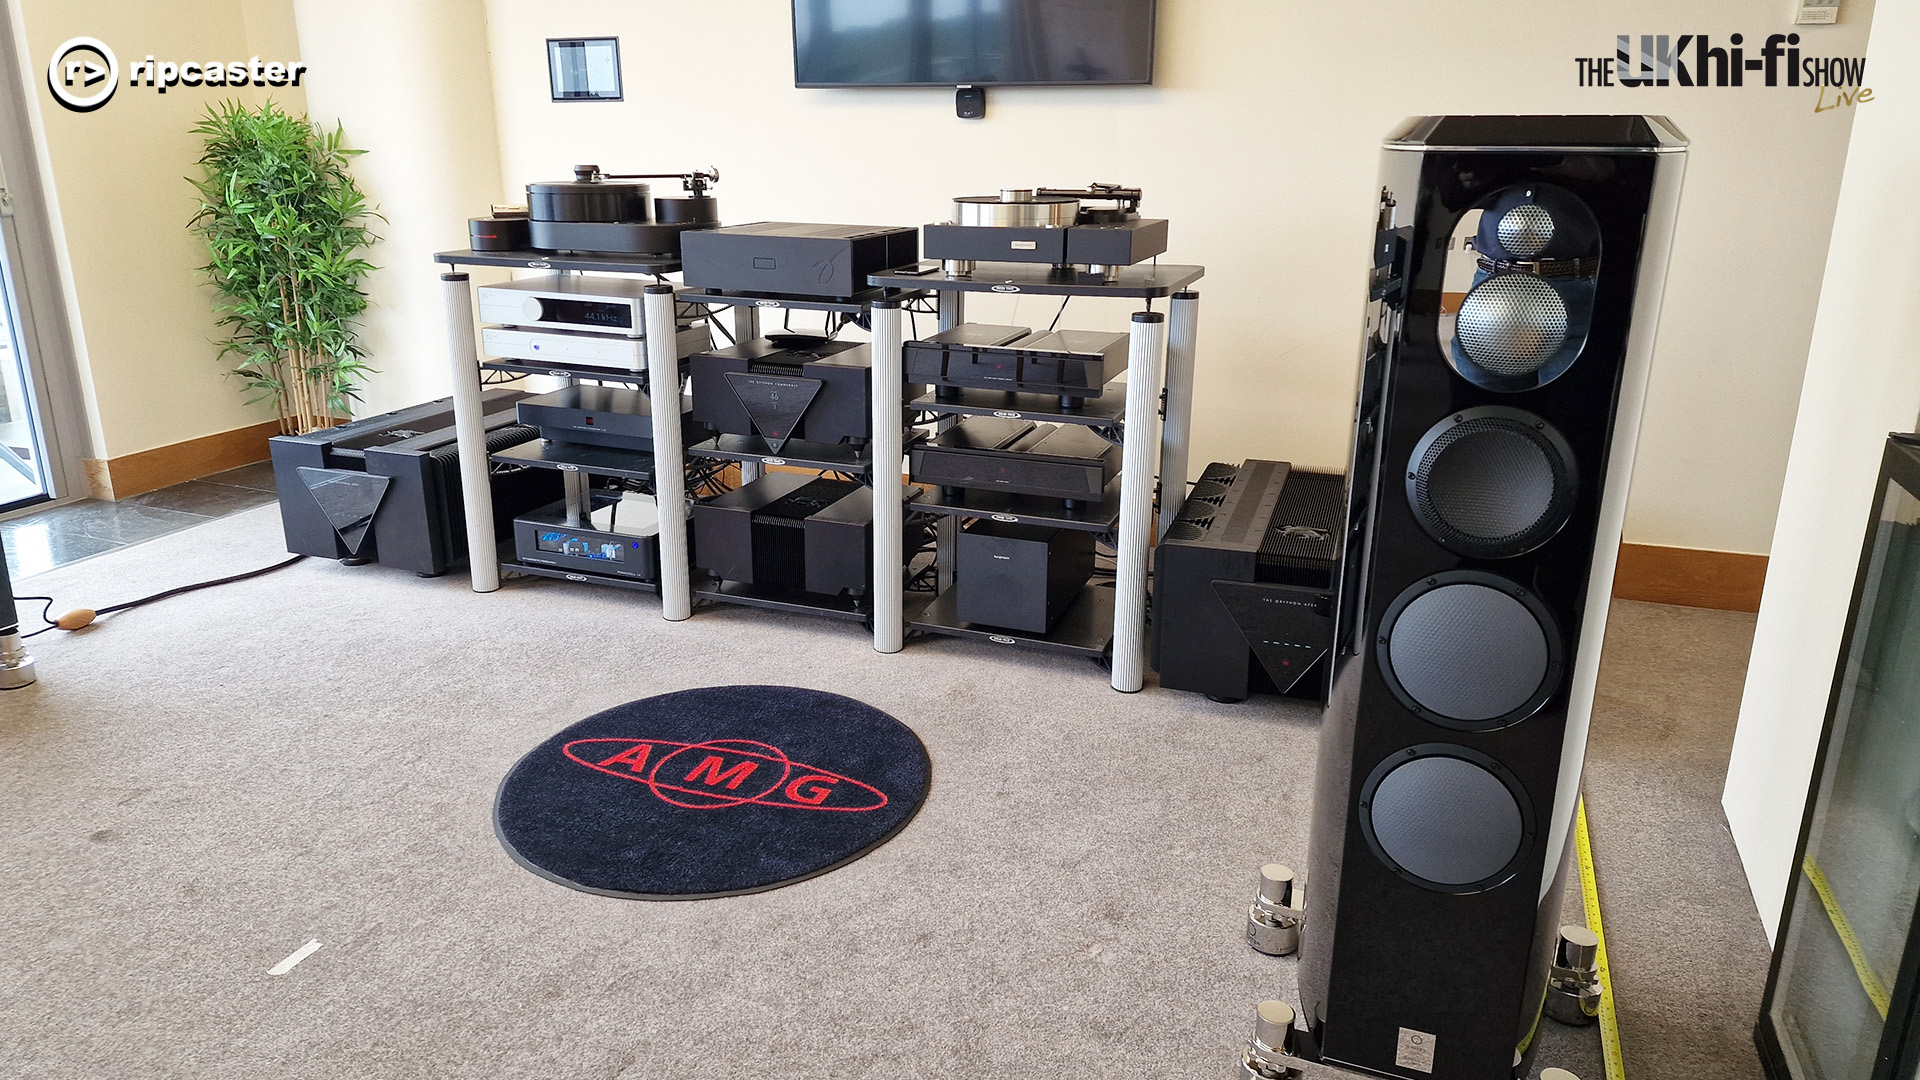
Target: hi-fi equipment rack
x=1156 y=395
x=578 y=463
x=1161 y=345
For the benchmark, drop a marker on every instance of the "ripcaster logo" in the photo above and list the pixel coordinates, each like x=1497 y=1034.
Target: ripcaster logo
x=720 y=773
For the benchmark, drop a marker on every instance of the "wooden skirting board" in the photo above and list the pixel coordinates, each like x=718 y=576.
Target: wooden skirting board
x=163 y=466
x=1690 y=577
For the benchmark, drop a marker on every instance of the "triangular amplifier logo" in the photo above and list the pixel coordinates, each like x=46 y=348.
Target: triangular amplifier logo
x=349 y=500
x=775 y=403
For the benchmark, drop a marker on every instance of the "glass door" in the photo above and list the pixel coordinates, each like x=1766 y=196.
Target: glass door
x=24 y=476
x=1839 y=1000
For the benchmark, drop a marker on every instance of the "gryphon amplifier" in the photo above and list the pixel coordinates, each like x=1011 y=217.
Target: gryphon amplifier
x=789 y=529
x=1064 y=461
x=816 y=393
x=1051 y=226
x=597 y=416
x=786 y=258
x=1073 y=364
x=387 y=488
x=612 y=351
x=603 y=305
x=1243 y=582
x=610 y=214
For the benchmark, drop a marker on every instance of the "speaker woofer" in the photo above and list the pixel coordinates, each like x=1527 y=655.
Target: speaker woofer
x=1447 y=818
x=1469 y=650
x=1517 y=331
x=1492 y=482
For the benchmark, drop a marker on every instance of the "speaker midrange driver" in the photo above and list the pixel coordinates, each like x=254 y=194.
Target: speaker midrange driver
x=1492 y=482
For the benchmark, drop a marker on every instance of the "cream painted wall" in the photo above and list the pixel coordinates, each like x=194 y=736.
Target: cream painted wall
x=143 y=320
x=1862 y=381
x=410 y=80
x=1260 y=142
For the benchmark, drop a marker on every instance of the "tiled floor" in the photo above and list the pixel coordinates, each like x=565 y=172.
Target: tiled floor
x=39 y=541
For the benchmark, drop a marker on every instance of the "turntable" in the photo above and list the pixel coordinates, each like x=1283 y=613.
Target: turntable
x=1052 y=226
x=602 y=213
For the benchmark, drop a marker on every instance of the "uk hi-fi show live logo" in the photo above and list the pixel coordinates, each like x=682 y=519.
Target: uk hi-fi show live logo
x=1699 y=60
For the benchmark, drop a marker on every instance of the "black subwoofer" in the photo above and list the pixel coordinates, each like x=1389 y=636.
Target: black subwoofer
x=1498 y=408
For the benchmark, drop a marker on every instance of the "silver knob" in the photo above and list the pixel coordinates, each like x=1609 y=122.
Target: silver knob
x=1276 y=884
x=1270 y=1055
x=1273 y=919
x=1273 y=1024
x=1579 y=947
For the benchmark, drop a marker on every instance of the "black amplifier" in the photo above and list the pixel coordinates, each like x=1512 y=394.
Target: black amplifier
x=1073 y=364
x=785 y=258
x=620 y=537
x=598 y=416
x=1121 y=243
x=1064 y=461
x=817 y=394
x=1021 y=577
x=386 y=488
x=1243 y=582
x=790 y=529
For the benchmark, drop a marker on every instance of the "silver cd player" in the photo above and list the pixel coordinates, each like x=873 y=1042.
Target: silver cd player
x=592 y=350
x=600 y=305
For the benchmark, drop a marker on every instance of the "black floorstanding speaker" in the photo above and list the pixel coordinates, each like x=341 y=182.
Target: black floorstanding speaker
x=1518 y=270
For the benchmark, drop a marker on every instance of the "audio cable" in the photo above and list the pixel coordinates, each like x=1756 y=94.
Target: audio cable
x=82 y=617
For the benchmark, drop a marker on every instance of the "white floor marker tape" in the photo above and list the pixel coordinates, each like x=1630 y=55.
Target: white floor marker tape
x=299 y=954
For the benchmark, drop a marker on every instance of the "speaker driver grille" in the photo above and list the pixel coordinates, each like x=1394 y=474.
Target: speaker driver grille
x=1525 y=230
x=1443 y=818
x=1512 y=324
x=1469 y=649
x=1492 y=482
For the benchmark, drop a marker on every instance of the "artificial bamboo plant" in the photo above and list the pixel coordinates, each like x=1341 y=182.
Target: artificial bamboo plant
x=283 y=223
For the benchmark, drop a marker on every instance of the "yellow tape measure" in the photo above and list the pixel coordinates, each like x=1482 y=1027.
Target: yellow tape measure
x=1590 y=896
x=1870 y=982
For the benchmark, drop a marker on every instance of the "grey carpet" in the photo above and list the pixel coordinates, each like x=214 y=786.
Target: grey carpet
x=195 y=789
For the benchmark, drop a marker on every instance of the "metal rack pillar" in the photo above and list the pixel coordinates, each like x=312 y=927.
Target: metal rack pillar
x=669 y=452
x=889 y=489
x=1176 y=432
x=470 y=431
x=1139 y=462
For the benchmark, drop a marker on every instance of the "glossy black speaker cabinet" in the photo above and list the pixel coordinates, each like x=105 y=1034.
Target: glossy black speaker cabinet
x=1518 y=268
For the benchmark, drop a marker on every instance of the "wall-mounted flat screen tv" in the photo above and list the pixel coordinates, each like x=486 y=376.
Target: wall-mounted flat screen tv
x=972 y=42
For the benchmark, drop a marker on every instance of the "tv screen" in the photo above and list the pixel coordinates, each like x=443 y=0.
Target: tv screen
x=972 y=42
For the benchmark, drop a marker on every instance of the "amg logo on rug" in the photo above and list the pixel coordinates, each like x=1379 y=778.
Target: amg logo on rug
x=721 y=773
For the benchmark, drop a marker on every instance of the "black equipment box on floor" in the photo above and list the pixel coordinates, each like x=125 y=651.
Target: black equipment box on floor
x=787 y=258
x=1243 y=582
x=387 y=488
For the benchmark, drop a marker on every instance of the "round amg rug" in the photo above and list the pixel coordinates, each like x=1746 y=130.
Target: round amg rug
x=711 y=792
